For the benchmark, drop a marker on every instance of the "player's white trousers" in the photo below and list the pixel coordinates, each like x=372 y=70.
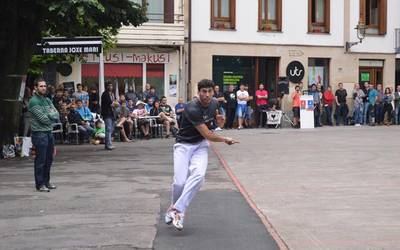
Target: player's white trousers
x=190 y=165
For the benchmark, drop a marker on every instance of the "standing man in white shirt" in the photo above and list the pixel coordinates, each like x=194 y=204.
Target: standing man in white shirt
x=241 y=109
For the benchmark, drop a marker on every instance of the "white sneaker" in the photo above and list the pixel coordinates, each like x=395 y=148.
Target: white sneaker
x=169 y=217
x=178 y=221
x=358 y=125
x=239 y=128
x=218 y=129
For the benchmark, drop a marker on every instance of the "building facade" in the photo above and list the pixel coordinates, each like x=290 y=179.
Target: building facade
x=151 y=53
x=253 y=42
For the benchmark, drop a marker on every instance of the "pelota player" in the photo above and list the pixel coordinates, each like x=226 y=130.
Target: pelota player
x=191 y=151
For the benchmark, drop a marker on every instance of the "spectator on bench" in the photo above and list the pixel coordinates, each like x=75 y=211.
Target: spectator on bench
x=84 y=112
x=164 y=119
x=124 y=118
x=140 y=114
x=83 y=126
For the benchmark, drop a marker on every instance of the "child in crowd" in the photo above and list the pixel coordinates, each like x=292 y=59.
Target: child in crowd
x=99 y=132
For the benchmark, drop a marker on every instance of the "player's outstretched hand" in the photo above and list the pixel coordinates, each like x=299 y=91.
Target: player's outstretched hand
x=230 y=141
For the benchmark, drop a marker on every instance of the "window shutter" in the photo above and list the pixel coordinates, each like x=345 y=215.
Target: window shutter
x=279 y=15
x=362 y=11
x=382 y=17
x=233 y=13
x=310 y=29
x=168 y=11
x=327 y=16
x=212 y=14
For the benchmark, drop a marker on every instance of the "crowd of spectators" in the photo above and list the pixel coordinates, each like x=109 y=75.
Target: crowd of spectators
x=371 y=106
x=133 y=113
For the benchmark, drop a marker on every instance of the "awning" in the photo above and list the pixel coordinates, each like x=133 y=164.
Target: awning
x=113 y=70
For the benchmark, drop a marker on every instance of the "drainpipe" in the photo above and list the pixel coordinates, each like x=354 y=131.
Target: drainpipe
x=189 y=84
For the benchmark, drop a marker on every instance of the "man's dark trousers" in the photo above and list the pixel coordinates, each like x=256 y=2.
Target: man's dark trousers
x=230 y=117
x=44 y=147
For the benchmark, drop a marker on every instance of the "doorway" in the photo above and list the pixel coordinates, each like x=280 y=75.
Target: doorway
x=372 y=75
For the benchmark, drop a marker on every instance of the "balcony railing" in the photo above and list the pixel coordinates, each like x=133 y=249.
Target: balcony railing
x=397 y=45
x=164 y=18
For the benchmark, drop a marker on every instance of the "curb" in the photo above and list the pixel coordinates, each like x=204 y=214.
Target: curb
x=271 y=230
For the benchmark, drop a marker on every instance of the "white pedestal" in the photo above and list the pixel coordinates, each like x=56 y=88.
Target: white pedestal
x=306 y=111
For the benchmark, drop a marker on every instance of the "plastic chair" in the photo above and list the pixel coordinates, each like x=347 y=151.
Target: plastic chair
x=58 y=130
x=73 y=132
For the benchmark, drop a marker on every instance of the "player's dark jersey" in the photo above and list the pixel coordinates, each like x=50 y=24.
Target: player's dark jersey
x=195 y=114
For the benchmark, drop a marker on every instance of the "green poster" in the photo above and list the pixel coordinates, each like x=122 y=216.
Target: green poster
x=365 y=77
x=231 y=78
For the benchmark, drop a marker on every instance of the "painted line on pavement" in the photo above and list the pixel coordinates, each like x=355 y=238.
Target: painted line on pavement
x=278 y=239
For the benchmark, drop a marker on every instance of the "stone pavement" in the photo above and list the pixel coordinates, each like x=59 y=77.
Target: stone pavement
x=327 y=188
x=113 y=200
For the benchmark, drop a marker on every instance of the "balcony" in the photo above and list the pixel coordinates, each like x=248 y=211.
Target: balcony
x=157 y=31
x=397 y=45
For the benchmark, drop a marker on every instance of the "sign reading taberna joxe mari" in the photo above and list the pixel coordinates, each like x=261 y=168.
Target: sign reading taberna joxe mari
x=70 y=45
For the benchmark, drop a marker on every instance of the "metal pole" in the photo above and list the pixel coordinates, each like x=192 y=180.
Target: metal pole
x=101 y=75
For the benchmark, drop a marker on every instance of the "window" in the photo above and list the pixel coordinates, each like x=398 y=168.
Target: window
x=158 y=11
x=269 y=15
x=155 y=76
x=319 y=16
x=318 y=71
x=122 y=75
x=223 y=14
x=373 y=13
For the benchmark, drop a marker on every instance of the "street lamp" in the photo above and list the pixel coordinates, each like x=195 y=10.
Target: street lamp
x=361 y=30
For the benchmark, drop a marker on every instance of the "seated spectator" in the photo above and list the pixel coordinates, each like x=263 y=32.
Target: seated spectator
x=140 y=114
x=169 y=112
x=179 y=108
x=124 y=118
x=131 y=94
x=94 y=105
x=84 y=112
x=66 y=98
x=152 y=95
x=64 y=117
x=83 y=126
x=164 y=119
x=58 y=99
x=131 y=106
x=122 y=100
x=149 y=105
x=82 y=95
x=99 y=133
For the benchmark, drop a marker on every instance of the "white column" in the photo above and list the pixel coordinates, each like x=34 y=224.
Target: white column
x=144 y=78
x=101 y=75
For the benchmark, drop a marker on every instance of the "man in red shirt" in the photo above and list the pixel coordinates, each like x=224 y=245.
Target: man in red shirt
x=328 y=99
x=261 y=105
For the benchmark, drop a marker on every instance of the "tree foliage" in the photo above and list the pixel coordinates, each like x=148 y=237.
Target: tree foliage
x=25 y=22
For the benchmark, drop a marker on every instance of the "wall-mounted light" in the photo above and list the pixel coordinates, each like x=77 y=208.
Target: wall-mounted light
x=361 y=30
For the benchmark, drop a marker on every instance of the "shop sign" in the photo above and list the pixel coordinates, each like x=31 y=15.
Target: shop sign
x=73 y=45
x=126 y=57
x=295 y=71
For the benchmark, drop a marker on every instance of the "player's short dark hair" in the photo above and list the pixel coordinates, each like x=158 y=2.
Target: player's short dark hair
x=79 y=100
x=205 y=84
x=37 y=80
x=79 y=84
x=108 y=83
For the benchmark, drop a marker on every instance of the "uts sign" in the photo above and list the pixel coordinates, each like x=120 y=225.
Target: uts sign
x=295 y=71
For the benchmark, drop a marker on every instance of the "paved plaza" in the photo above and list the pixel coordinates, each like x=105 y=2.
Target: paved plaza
x=328 y=188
